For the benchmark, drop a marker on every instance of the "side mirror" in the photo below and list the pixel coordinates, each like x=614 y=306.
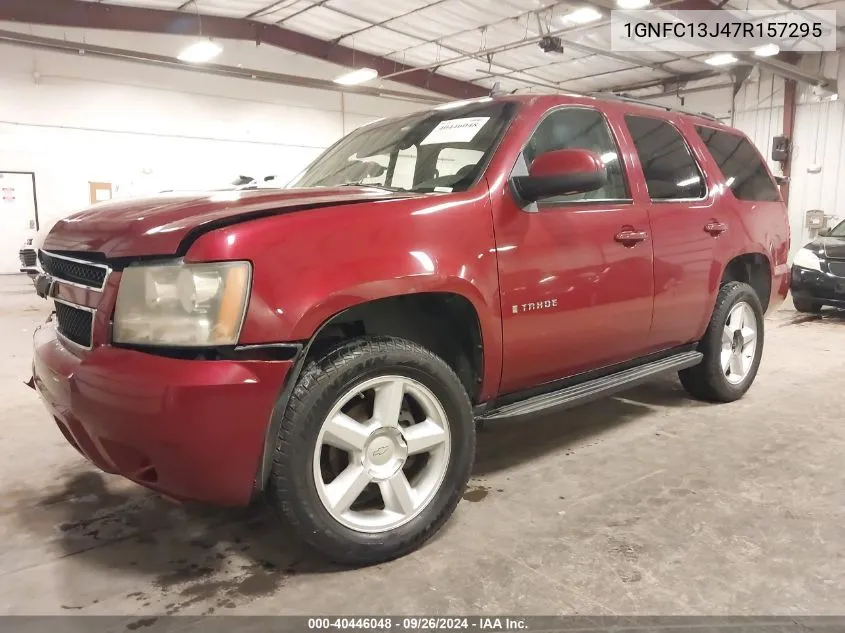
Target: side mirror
x=561 y=172
x=823 y=233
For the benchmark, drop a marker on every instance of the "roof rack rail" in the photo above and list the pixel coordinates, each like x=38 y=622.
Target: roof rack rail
x=616 y=97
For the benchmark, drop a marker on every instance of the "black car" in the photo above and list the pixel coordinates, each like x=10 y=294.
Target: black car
x=818 y=272
x=29 y=258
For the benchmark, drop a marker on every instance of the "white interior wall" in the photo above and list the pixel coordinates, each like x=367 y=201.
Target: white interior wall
x=819 y=139
x=72 y=119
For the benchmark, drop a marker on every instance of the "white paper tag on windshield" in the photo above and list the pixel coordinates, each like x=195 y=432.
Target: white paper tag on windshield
x=456 y=130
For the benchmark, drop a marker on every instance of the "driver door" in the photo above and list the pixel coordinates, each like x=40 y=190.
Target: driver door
x=574 y=297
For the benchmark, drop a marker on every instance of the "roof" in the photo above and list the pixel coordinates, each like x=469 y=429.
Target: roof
x=483 y=41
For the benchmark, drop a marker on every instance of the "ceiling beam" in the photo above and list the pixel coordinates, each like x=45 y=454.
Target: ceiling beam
x=90 y=15
x=15 y=38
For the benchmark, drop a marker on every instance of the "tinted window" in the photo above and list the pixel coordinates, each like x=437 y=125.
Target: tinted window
x=741 y=165
x=670 y=170
x=579 y=128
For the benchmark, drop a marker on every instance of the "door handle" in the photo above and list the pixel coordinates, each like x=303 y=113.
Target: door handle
x=715 y=228
x=630 y=237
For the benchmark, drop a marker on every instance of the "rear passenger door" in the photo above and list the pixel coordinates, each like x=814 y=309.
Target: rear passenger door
x=760 y=216
x=685 y=228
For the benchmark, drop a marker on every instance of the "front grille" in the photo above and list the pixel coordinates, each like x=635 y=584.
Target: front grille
x=836 y=268
x=28 y=258
x=74 y=323
x=78 y=272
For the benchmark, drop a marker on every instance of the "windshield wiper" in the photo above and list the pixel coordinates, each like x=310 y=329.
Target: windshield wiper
x=372 y=185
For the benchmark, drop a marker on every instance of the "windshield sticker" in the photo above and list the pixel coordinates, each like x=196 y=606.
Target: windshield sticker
x=456 y=130
x=443 y=190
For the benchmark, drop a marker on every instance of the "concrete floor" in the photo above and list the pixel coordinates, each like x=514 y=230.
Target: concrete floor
x=644 y=504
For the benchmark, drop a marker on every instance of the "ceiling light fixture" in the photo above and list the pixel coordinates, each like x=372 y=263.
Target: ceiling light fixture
x=358 y=76
x=632 y=4
x=721 y=59
x=766 y=50
x=584 y=15
x=200 y=51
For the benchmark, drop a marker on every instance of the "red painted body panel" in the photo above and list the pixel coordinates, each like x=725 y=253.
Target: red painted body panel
x=565 y=160
x=310 y=266
x=555 y=292
x=157 y=225
x=191 y=429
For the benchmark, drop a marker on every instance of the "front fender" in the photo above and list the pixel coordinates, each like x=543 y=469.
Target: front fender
x=311 y=265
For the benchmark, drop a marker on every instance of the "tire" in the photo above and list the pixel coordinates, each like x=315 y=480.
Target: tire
x=806 y=305
x=297 y=489
x=709 y=380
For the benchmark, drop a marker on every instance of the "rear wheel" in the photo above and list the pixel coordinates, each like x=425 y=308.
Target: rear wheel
x=806 y=305
x=732 y=346
x=374 y=450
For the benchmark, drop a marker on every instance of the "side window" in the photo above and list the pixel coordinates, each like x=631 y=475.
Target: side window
x=580 y=128
x=740 y=164
x=670 y=170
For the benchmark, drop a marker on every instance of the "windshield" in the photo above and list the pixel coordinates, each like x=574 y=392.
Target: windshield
x=838 y=230
x=439 y=150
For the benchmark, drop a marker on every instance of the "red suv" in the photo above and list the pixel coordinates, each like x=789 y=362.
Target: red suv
x=331 y=345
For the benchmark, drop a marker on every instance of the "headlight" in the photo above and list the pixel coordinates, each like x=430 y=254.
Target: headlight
x=807 y=259
x=182 y=305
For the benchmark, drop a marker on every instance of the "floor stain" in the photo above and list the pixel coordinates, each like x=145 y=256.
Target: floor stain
x=629 y=552
x=633 y=576
x=143 y=622
x=476 y=493
x=254 y=581
x=259 y=584
x=181 y=576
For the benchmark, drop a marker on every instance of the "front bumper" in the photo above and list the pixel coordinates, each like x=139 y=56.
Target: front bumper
x=189 y=429
x=818 y=286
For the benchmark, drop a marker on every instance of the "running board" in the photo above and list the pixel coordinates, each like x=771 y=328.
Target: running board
x=594 y=389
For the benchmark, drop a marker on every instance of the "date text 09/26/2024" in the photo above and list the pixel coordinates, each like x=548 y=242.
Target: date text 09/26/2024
x=408 y=623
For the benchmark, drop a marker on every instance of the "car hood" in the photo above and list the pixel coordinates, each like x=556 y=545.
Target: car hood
x=831 y=247
x=159 y=224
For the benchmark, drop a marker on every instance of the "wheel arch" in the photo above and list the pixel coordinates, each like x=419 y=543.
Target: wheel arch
x=754 y=269
x=410 y=315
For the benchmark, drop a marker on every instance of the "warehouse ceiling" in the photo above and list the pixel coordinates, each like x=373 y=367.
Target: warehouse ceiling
x=477 y=42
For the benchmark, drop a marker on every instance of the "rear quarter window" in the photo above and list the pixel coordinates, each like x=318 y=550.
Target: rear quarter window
x=740 y=164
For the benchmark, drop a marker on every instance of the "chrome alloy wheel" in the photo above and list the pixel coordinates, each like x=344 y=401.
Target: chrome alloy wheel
x=381 y=454
x=739 y=343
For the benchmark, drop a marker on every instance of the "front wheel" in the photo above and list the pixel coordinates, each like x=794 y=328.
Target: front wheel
x=732 y=347
x=374 y=450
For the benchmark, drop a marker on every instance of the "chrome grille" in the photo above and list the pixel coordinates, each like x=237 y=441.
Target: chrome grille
x=74 y=323
x=76 y=271
x=836 y=268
